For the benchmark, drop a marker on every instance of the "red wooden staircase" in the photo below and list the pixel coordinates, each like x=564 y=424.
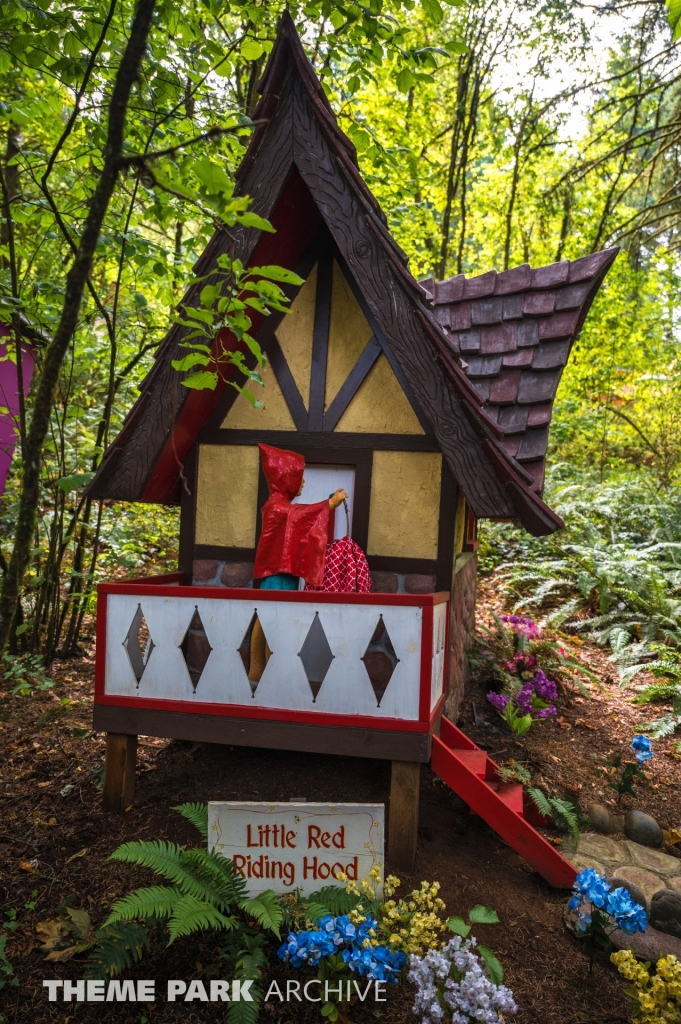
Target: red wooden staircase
x=504 y=806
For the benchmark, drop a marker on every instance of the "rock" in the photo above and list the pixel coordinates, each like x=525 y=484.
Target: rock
x=415 y=583
x=204 y=569
x=675 y=883
x=637 y=894
x=648 y=945
x=384 y=582
x=642 y=829
x=644 y=882
x=652 y=860
x=600 y=818
x=236 y=574
x=600 y=848
x=665 y=912
x=581 y=863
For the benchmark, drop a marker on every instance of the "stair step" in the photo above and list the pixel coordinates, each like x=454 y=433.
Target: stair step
x=453 y=737
x=463 y=767
x=512 y=795
x=475 y=761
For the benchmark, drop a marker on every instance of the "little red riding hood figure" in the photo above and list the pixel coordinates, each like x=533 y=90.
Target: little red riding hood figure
x=294 y=537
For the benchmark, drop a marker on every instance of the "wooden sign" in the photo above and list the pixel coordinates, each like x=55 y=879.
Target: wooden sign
x=305 y=846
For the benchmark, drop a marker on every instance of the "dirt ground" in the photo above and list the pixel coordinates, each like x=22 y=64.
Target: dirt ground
x=70 y=839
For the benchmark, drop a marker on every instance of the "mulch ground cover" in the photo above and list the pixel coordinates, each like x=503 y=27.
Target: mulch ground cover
x=54 y=847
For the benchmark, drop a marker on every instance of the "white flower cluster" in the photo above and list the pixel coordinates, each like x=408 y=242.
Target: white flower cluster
x=474 y=998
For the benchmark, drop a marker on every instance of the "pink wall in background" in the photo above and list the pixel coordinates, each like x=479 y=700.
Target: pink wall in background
x=9 y=399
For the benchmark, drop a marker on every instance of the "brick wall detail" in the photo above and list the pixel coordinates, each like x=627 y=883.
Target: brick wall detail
x=461 y=626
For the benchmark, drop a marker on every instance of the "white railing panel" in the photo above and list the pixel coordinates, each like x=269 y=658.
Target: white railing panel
x=438 y=663
x=349 y=628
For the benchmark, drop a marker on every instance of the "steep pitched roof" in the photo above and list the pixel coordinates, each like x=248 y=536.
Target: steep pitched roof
x=513 y=332
x=298 y=155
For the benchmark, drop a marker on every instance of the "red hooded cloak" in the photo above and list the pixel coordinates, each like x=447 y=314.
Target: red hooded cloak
x=294 y=537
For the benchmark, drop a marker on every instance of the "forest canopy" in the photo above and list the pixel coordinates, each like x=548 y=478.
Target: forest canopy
x=492 y=135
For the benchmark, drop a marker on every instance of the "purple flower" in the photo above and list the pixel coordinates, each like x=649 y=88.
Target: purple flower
x=498 y=701
x=545 y=688
x=519 y=624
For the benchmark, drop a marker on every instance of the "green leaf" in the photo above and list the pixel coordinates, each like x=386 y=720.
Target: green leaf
x=274 y=273
x=674 y=16
x=197 y=814
x=266 y=909
x=458 y=926
x=432 y=10
x=252 y=220
x=201 y=381
x=191 y=915
x=251 y=49
x=405 y=80
x=193 y=359
x=204 y=315
x=495 y=972
x=75 y=482
x=154 y=902
x=212 y=176
x=483 y=915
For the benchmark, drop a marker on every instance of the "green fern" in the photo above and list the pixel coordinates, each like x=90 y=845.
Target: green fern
x=266 y=909
x=331 y=899
x=117 y=948
x=249 y=965
x=514 y=772
x=562 y=812
x=197 y=814
x=157 y=901
x=191 y=915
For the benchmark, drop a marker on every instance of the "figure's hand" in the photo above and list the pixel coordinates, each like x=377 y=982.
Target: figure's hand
x=336 y=498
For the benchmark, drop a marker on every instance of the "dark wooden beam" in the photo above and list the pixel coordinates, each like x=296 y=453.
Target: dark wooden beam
x=447 y=524
x=403 y=823
x=388 y=563
x=351 y=385
x=118 y=791
x=320 y=340
x=224 y=554
x=188 y=513
x=322 y=441
x=253 y=732
x=287 y=384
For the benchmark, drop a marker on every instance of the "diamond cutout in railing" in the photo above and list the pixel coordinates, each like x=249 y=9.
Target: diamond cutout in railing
x=195 y=648
x=255 y=651
x=138 y=644
x=316 y=656
x=380 y=660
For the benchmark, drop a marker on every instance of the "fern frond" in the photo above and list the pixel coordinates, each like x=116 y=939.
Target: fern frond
x=118 y=947
x=191 y=915
x=540 y=801
x=333 y=900
x=267 y=910
x=660 y=727
x=197 y=814
x=656 y=691
x=217 y=873
x=249 y=966
x=196 y=872
x=157 y=901
x=566 y=814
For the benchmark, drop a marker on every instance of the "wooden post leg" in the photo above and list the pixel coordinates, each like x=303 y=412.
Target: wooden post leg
x=119 y=771
x=403 y=824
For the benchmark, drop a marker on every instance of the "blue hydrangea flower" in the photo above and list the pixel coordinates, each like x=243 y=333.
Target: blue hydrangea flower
x=628 y=915
x=643 y=748
x=593 y=886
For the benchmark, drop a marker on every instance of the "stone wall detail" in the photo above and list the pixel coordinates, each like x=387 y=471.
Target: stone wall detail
x=208 y=572
x=461 y=627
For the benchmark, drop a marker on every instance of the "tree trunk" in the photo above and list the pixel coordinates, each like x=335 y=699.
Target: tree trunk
x=76 y=283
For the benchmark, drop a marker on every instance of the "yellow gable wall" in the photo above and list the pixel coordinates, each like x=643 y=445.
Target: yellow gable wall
x=295 y=333
x=405 y=504
x=227 y=495
x=380 y=406
x=349 y=333
x=274 y=415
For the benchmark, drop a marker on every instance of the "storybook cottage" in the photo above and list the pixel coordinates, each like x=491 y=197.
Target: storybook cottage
x=429 y=404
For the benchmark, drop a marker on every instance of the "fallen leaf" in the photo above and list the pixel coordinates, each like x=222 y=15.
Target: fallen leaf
x=673 y=836
x=67 y=790
x=60 y=955
x=42 y=785
x=557 y=841
x=74 y=856
x=51 y=932
x=28 y=865
x=80 y=921
x=587 y=725
x=554 y=758
x=563 y=723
